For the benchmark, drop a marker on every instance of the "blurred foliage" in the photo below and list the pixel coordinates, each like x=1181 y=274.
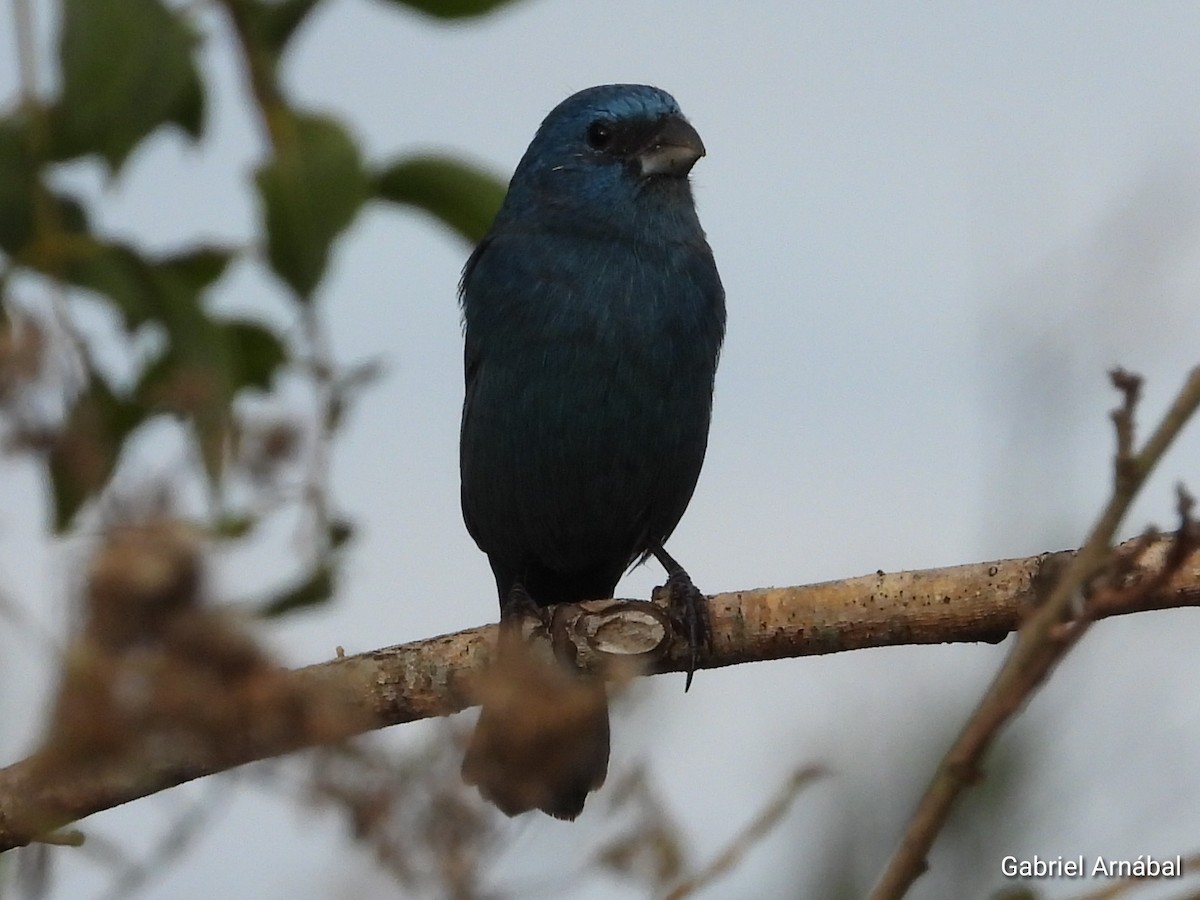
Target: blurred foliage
x=311 y=191
x=453 y=9
x=127 y=68
x=124 y=70
x=460 y=196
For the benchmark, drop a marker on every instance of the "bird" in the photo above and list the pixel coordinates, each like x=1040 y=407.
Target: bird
x=593 y=318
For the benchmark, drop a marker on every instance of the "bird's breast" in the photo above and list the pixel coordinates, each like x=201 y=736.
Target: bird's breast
x=587 y=416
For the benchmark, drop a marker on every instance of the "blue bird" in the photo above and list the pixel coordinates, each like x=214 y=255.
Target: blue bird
x=594 y=317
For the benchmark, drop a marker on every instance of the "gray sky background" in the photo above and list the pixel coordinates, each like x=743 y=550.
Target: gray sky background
x=938 y=225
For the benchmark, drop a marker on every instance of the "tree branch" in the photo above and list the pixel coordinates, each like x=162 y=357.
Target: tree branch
x=268 y=712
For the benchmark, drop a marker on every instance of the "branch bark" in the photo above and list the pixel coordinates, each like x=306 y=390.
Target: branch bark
x=273 y=712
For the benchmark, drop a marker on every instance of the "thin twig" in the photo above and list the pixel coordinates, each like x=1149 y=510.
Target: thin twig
x=1041 y=642
x=316 y=487
x=754 y=832
x=260 y=71
x=175 y=840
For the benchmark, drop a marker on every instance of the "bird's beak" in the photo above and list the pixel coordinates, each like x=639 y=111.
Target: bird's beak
x=672 y=149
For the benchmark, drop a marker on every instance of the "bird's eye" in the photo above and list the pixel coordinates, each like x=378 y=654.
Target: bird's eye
x=599 y=135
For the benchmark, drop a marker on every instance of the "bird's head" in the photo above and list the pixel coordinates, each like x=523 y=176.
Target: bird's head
x=607 y=155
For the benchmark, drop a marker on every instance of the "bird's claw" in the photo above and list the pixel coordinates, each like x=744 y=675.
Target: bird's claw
x=688 y=609
x=519 y=608
x=525 y=621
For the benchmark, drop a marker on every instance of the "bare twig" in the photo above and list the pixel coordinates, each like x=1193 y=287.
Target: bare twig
x=316 y=489
x=1041 y=640
x=728 y=858
x=187 y=827
x=260 y=71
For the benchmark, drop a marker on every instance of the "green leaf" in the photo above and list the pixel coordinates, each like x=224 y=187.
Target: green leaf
x=196 y=269
x=18 y=183
x=453 y=9
x=311 y=191
x=71 y=216
x=205 y=360
x=127 y=68
x=183 y=384
x=186 y=384
x=117 y=271
x=232 y=526
x=178 y=285
x=194 y=376
x=166 y=290
x=457 y=193
x=314 y=590
x=86 y=449
x=255 y=352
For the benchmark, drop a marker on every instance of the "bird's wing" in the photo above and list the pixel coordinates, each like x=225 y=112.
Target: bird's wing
x=472 y=352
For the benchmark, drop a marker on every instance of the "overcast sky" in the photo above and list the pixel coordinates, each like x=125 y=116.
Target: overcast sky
x=938 y=225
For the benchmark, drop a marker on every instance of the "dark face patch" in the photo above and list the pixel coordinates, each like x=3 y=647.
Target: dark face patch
x=623 y=139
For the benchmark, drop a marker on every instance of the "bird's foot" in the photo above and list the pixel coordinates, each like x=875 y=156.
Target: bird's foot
x=519 y=608
x=523 y=621
x=688 y=609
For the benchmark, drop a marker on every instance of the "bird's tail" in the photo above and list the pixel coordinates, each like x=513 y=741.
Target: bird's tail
x=542 y=739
